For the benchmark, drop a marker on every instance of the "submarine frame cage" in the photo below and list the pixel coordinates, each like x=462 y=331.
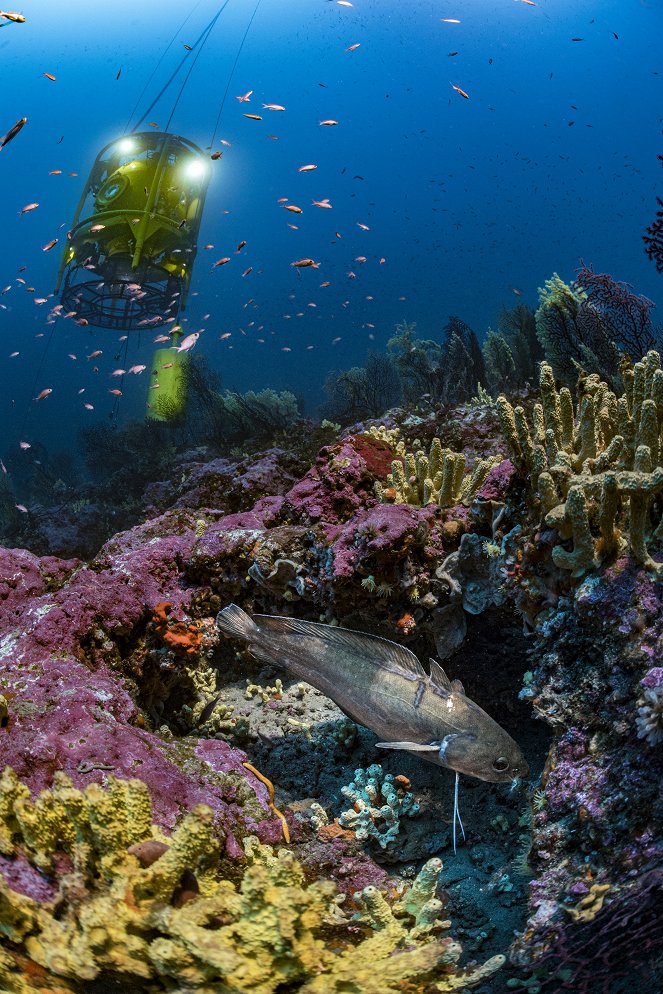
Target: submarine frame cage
x=131 y=248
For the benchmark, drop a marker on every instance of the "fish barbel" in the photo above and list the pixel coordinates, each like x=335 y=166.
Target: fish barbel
x=383 y=686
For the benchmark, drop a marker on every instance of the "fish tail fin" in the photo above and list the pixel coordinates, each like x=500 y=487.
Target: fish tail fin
x=234 y=621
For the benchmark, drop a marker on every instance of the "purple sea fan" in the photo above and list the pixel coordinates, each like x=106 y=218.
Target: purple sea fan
x=625 y=315
x=653 y=239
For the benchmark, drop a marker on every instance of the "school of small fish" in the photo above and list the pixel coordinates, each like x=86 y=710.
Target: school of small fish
x=365 y=246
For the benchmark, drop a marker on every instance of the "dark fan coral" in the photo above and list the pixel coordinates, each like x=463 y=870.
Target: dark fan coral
x=653 y=239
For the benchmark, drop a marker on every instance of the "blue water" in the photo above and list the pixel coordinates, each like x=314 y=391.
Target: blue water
x=553 y=158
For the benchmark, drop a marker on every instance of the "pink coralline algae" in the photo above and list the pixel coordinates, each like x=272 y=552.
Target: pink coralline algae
x=62 y=626
x=340 y=482
x=497 y=483
x=386 y=530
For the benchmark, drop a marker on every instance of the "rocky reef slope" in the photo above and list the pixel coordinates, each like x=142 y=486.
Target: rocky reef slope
x=522 y=545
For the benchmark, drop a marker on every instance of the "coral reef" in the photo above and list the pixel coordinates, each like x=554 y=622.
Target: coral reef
x=129 y=900
x=596 y=468
x=543 y=569
x=435 y=478
x=379 y=801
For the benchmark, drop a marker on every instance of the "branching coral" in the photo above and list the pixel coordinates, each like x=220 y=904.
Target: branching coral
x=379 y=801
x=151 y=908
x=572 y=332
x=597 y=468
x=389 y=436
x=436 y=478
x=363 y=391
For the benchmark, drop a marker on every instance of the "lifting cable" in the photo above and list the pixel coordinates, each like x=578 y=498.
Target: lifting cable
x=161 y=58
x=232 y=72
x=200 y=40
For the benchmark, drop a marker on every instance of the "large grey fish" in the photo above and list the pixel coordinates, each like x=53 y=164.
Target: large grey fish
x=383 y=686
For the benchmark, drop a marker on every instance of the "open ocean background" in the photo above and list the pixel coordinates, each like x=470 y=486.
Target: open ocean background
x=552 y=159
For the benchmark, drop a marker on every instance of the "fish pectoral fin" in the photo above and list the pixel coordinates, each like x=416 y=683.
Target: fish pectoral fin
x=410 y=746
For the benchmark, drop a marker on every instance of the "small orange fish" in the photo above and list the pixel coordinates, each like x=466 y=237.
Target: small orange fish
x=153 y=124
x=240 y=246
x=305 y=263
x=322 y=203
x=245 y=97
x=115 y=392
x=88 y=407
x=253 y=117
x=273 y=107
x=351 y=48
x=25 y=445
x=458 y=90
x=55 y=172
x=44 y=393
x=21 y=507
x=328 y=124
x=28 y=207
x=49 y=75
x=517 y=291
x=11 y=15
x=225 y=335
x=248 y=270
x=216 y=155
x=364 y=227
x=222 y=262
x=49 y=245
x=93 y=355
x=293 y=208
x=307 y=168
x=450 y=20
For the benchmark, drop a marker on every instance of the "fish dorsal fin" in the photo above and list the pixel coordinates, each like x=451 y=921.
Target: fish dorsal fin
x=440 y=683
x=372 y=649
x=457 y=687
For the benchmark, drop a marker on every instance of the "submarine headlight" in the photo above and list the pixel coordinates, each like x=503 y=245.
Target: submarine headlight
x=195 y=169
x=126 y=145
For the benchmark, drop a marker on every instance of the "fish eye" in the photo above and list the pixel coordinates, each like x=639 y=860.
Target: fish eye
x=501 y=764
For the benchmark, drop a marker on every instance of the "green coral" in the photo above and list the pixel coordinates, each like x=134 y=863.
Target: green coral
x=378 y=804
x=143 y=906
x=437 y=477
x=596 y=467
